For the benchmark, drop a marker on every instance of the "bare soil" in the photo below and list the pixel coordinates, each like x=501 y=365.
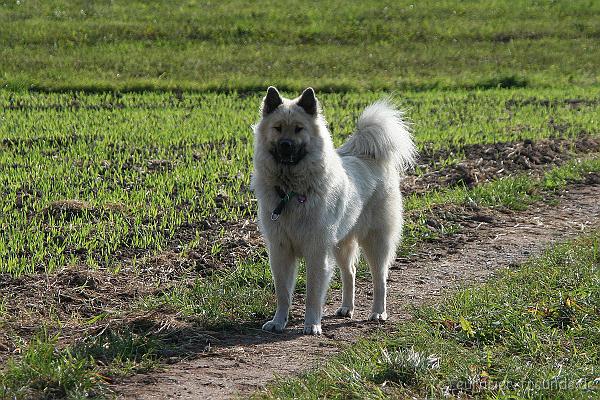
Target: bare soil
x=233 y=364
x=88 y=301
x=486 y=162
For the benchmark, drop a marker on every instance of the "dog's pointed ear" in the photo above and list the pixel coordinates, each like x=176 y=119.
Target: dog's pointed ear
x=308 y=101
x=271 y=101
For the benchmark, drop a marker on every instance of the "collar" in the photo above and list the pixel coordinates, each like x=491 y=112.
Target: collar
x=284 y=199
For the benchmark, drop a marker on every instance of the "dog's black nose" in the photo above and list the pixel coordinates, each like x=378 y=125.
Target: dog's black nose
x=285 y=147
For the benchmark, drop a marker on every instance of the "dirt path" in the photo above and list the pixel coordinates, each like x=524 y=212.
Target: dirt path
x=490 y=240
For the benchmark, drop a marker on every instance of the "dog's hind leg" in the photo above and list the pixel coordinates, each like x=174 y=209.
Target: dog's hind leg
x=284 y=269
x=318 y=273
x=379 y=248
x=345 y=255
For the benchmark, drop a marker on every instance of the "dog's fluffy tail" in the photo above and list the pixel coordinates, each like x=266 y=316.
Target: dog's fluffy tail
x=382 y=135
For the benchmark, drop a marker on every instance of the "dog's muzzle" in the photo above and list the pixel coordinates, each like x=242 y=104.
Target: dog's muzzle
x=287 y=152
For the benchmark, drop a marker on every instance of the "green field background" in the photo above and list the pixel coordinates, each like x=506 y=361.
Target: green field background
x=332 y=45
x=143 y=110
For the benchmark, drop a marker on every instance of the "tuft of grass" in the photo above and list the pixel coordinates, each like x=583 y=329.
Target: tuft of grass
x=44 y=371
x=122 y=352
x=224 y=298
x=403 y=366
x=531 y=332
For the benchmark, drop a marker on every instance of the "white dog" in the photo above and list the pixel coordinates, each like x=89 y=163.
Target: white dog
x=321 y=203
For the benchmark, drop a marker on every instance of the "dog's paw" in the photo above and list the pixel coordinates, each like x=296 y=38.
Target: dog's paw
x=344 y=312
x=274 y=326
x=380 y=317
x=312 y=329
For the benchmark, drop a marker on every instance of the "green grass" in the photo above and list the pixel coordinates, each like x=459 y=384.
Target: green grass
x=143 y=165
x=234 y=45
x=234 y=298
x=532 y=332
x=121 y=352
x=44 y=371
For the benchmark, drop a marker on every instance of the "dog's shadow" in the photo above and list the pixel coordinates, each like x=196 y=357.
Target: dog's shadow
x=191 y=342
x=332 y=325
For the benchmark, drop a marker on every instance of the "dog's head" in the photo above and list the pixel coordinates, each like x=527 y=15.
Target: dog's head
x=289 y=129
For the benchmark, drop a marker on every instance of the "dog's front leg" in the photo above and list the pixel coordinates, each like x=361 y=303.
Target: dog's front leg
x=284 y=268
x=318 y=273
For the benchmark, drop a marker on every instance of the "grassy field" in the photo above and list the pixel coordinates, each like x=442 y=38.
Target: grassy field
x=126 y=145
x=339 y=45
x=97 y=178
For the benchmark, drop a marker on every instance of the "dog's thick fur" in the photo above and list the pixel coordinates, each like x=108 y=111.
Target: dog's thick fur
x=339 y=200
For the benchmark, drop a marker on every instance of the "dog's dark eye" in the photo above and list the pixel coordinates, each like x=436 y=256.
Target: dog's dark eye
x=298 y=129
x=277 y=128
